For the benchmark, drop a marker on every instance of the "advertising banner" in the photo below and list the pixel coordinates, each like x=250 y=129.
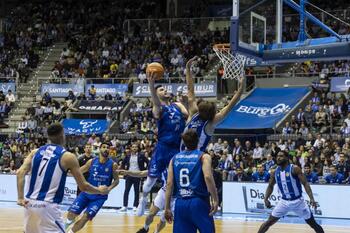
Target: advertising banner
x=340 y=84
x=84 y=126
x=249 y=198
x=98 y=106
x=8 y=191
x=200 y=89
x=263 y=108
x=61 y=90
x=103 y=89
x=5 y=87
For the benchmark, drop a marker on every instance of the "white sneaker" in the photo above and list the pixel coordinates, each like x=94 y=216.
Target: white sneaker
x=123 y=209
x=142 y=206
x=134 y=209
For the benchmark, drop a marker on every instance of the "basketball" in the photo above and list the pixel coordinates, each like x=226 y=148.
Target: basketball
x=156 y=68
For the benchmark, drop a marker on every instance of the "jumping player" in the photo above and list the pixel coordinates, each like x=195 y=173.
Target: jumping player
x=202 y=115
x=157 y=205
x=47 y=168
x=190 y=178
x=171 y=123
x=289 y=179
x=102 y=171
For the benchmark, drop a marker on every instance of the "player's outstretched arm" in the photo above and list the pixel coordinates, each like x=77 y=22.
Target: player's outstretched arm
x=115 y=177
x=156 y=110
x=169 y=191
x=297 y=171
x=192 y=104
x=85 y=168
x=269 y=189
x=209 y=181
x=21 y=173
x=139 y=174
x=225 y=111
x=70 y=162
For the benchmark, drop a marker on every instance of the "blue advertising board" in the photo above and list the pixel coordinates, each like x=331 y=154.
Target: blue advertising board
x=103 y=89
x=61 y=90
x=262 y=109
x=84 y=126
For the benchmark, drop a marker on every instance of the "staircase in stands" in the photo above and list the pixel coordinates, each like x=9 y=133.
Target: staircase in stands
x=29 y=92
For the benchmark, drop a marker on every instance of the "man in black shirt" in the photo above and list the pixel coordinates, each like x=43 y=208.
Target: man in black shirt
x=84 y=159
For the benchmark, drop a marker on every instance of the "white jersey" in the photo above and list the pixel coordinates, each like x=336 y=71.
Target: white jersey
x=47 y=177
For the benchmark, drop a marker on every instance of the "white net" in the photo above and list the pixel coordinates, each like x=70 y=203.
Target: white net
x=233 y=63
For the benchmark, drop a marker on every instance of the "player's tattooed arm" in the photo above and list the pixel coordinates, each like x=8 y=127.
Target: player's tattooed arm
x=21 y=173
x=298 y=172
x=226 y=110
x=169 y=190
x=85 y=168
x=115 y=177
x=269 y=189
x=157 y=106
x=192 y=104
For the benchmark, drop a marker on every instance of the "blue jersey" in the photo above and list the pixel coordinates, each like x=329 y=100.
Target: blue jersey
x=100 y=174
x=171 y=125
x=337 y=179
x=47 y=177
x=288 y=184
x=188 y=175
x=257 y=177
x=199 y=125
x=312 y=177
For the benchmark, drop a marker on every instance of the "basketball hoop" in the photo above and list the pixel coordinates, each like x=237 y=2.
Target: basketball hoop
x=233 y=63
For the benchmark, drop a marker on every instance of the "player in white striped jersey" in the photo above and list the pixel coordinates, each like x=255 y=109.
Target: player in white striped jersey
x=202 y=115
x=47 y=168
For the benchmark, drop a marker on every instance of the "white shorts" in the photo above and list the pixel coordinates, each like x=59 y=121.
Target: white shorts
x=159 y=202
x=43 y=217
x=298 y=206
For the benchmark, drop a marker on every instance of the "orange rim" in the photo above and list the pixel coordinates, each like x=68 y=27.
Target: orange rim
x=223 y=47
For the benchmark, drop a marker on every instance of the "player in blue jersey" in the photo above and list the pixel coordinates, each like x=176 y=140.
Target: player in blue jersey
x=102 y=171
x=203 y=116
x=311 y=177
x=261 y=175
x=47 y=168
x=171 y=123
x=191 y=181
x=289 y=179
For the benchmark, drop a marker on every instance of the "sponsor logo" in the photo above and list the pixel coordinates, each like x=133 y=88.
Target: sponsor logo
x=87 y=124
x=186 y=192
x=265 y=111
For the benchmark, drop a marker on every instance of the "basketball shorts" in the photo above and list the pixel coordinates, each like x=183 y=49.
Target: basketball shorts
x=160 y=159
x=191 y=215
x=159 y=202
x=298 y=206
x=43 y=217
x=83 y=202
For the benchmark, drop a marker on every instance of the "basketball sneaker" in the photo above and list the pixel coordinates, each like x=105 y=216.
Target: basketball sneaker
x=142 y=230
x=123 y=209
x=142 y=206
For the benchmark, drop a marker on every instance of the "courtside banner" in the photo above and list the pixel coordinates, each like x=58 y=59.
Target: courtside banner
x=200 y=89
x=340 y=84
x=84 y=126
x=8 y=191
x=103 y=89
x=98 y=106
x=262 y=109
x=249 y=199
x=5 y=87
x=61 y=90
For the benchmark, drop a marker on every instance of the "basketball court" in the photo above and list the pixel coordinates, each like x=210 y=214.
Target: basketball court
x=11 y=221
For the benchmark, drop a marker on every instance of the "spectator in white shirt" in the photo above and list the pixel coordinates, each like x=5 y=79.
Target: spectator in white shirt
x=319 y=141
x=303 y=130
x=345 y=129
x=22 y=126
x=347 y=120
x=218 y=146
x=142 y=76
x=257 y=153
x=32 y=124
x=287 y=129
x=11 y=98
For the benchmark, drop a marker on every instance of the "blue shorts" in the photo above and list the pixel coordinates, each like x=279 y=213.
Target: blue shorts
x=83 y=201
x=161 y=158
x=196 y=219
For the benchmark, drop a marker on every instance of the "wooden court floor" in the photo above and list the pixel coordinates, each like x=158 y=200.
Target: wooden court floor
x=11 y=221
